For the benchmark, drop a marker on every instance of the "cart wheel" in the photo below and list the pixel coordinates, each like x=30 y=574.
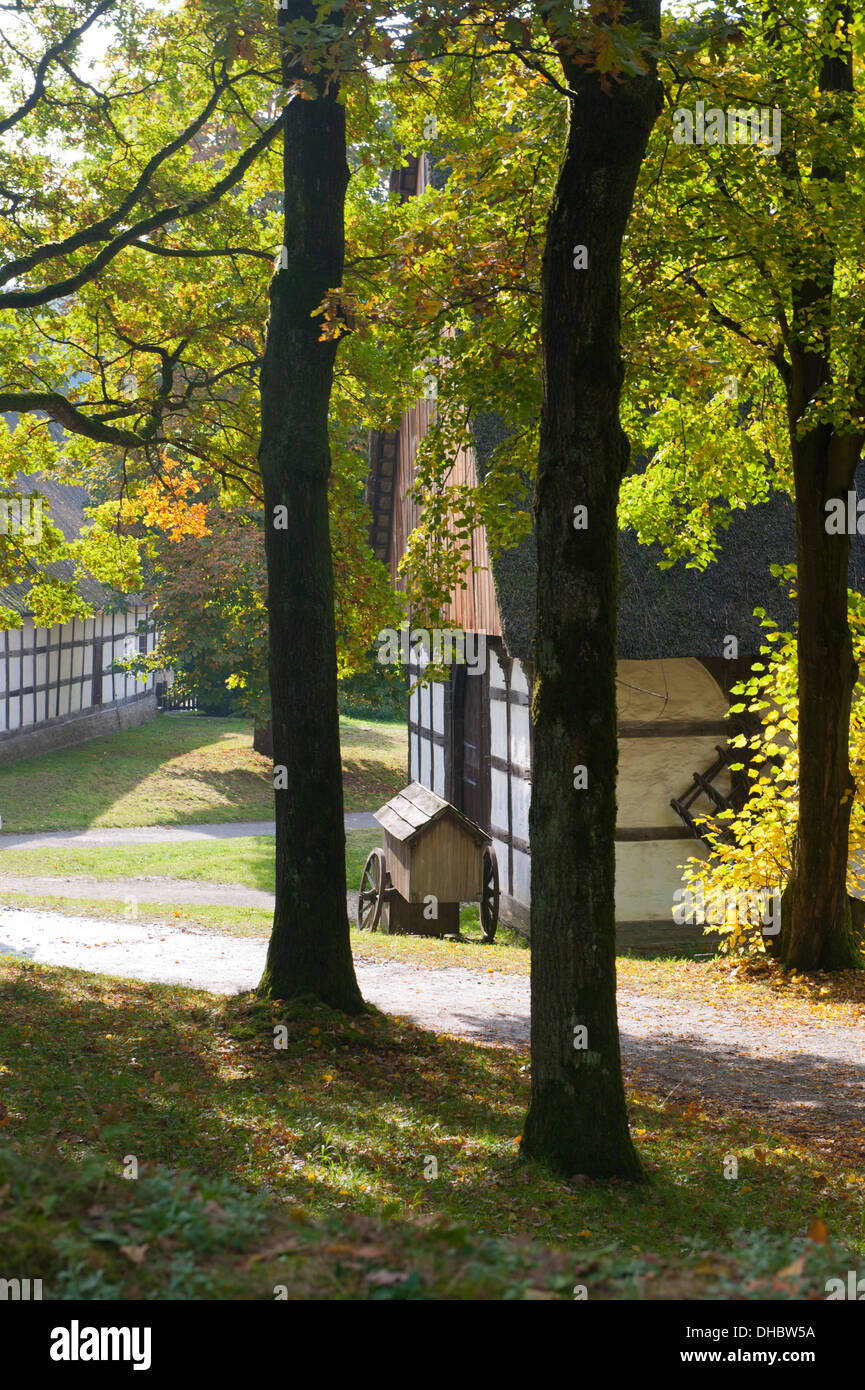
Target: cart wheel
x=370 y=899
x=490 y=895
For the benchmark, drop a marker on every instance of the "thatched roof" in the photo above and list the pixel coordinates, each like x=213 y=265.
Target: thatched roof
x=64 y=505
x=675 y=612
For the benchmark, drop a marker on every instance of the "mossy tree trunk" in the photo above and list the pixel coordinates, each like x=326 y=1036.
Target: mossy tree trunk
x=309 y=952
x=577 y=1121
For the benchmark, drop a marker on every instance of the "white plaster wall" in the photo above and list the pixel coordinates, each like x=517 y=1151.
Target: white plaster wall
x=521 y=748
x=501 y=851
x=497 y=675
x=521 y=888
x=498 y=729
x=519 y=680
x=438 y=770
x=647 y=875
x=498 y=798
x=652 y=770
x=438 y=707
x=521 y=796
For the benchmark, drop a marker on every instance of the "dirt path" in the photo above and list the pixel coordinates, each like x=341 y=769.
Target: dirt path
x=798 y=1076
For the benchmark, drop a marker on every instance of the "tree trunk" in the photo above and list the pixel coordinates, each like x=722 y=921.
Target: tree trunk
x=577 y=1121
x=309 y=952
x=262 y=738
x=816 y=928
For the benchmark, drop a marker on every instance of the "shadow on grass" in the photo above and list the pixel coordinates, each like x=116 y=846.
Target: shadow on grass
x=373 y=1117
x=75 y=787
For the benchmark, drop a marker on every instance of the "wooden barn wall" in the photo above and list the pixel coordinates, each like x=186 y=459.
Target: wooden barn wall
x=473 y=609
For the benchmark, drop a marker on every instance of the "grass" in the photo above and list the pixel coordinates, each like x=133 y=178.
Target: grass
x=182 y=768
x=247 y=861
x=314 y=1165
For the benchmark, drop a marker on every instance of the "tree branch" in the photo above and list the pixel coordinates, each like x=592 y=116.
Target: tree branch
x=28 y=299
x=47 y=59
x=192 y=253
x=62 y=410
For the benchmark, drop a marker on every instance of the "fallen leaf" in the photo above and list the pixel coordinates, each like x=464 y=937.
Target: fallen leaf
x=135 y=1253
x=285 y=1247
x=818 y=1231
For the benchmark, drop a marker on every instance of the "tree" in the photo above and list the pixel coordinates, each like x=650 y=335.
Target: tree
x=478 y=279
x=208 y=587
x=576 y=1064
x=736 y=892
x=826 y=443
x=309 y=951
x=159 y=370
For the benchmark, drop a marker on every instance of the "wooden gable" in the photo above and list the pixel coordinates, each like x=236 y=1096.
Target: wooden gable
x=432 y=849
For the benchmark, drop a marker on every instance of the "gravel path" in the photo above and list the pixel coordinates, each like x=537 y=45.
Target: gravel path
x=155 y=834
x=800 y=1076
x=145 y=890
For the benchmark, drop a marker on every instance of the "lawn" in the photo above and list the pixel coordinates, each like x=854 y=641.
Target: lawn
x=182 y=768
x=365 y=1159
x=246 y=861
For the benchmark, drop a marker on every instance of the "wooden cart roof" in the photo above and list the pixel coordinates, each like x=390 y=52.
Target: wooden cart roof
x=416 y=808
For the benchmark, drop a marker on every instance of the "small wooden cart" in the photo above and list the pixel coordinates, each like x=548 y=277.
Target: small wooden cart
x=432 y=859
